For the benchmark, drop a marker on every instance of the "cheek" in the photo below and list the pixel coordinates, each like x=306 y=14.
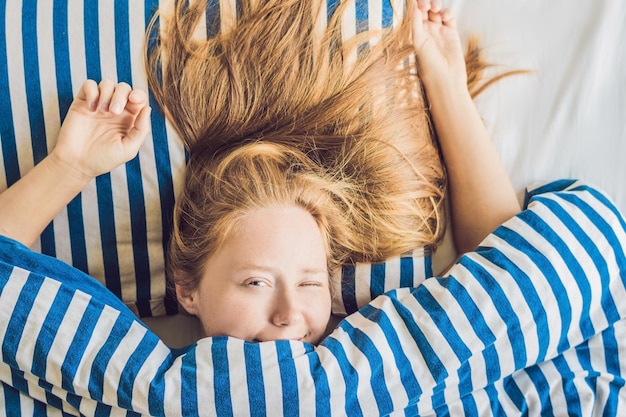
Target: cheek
x=318 y=308
x=229 y=316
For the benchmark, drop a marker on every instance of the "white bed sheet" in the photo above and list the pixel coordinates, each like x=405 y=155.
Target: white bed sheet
x=568 y=117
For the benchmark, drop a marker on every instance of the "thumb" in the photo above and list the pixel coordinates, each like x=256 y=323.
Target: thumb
x=138 y=133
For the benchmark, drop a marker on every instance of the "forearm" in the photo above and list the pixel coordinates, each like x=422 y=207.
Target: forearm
x=481 y=194
x=28 y=206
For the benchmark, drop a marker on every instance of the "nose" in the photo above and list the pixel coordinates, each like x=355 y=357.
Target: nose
x=286 y=309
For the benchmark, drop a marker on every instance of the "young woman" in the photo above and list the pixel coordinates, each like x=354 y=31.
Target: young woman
x=304 y=153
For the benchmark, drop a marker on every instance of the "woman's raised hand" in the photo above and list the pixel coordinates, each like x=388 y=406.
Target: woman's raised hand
x=104 y=128
x=437 y=44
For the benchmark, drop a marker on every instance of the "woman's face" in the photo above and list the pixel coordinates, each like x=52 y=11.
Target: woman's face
x=268 y=281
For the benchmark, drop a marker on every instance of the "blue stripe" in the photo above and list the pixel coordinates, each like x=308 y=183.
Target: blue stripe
x=65 y=94
x=213 y=18
x=501 y=302
x=103 y=182
x=443 y=323
x=473 y=313
x=550 y=274
x=322 y=388
x=608 y=304
x=32 y=80
x=35 y=102
x=428 y=265
x=402 y=362
x=570 y=391
x=432 y=361
x=543 y=388
x=407 y=272
x=377 y=279
x=553 y=186
x=254 y=378
x=515 y=394
x=156 y=392
x=387 y=14
x=7 y=130
x=79 y=344
x=163 y=169
x=350 y=376
x=348 y=288
x=578 y=272
x=331 y=7
x=362 y=15
x=189 y=388
x=528 y=291
x=288 y=378
x=133 y=366
x=12 y=399
x=494 y=400
x=376 y=362
x=221 y=378
x=19 y=316
x=139 y=228
x=48 y=332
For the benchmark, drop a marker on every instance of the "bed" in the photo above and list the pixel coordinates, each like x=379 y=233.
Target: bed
x=531 y=323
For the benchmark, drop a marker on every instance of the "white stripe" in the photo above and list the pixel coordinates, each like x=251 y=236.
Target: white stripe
x=37 y=315
x=205 y=378
x=119 y=183
x=172 y=397
x=556 y=393
x=64 y=337
x=508 y=406
x=362 y=284
x=391 y=373
x=159 y=354
x=542 y=287
x=271 y=379
x=101 y=332
x=147 y=160
x=16 y=77
x=306 y=385
x=607 y=251
x=419 y=266
x=391 y=279
x=238 y=378
x=336 y=383
x=126 y=347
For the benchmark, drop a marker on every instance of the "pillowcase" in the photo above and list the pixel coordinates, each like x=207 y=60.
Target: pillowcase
x=117 y=229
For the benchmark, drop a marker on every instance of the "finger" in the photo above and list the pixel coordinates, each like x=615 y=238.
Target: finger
x=434 y=17
x=119 y=98
x=89 y=93
x=435 y=6
x=137 y=99
x=423 y=5
x=138 y=133
x=106 y=89
x=448 y=17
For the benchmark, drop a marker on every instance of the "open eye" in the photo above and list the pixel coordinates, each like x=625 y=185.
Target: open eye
x=255 y=282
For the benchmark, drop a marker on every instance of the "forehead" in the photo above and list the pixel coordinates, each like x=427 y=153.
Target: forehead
x=278 y=233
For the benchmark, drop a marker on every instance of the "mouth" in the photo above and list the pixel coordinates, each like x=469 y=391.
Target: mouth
x=294 y=339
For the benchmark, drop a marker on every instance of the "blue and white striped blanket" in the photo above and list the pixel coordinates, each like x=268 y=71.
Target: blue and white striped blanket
x=531 y=323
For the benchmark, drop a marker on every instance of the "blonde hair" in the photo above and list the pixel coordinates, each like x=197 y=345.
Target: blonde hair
x=276 y=111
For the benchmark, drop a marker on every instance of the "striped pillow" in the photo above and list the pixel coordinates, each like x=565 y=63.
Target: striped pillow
x=117 y=229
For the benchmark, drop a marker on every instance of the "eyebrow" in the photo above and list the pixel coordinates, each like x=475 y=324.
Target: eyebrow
x=264 y=268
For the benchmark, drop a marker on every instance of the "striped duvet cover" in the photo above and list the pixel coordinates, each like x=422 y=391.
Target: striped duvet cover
x=531 y=323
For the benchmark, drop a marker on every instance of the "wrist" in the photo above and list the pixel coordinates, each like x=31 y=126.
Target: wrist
x=63 y=169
